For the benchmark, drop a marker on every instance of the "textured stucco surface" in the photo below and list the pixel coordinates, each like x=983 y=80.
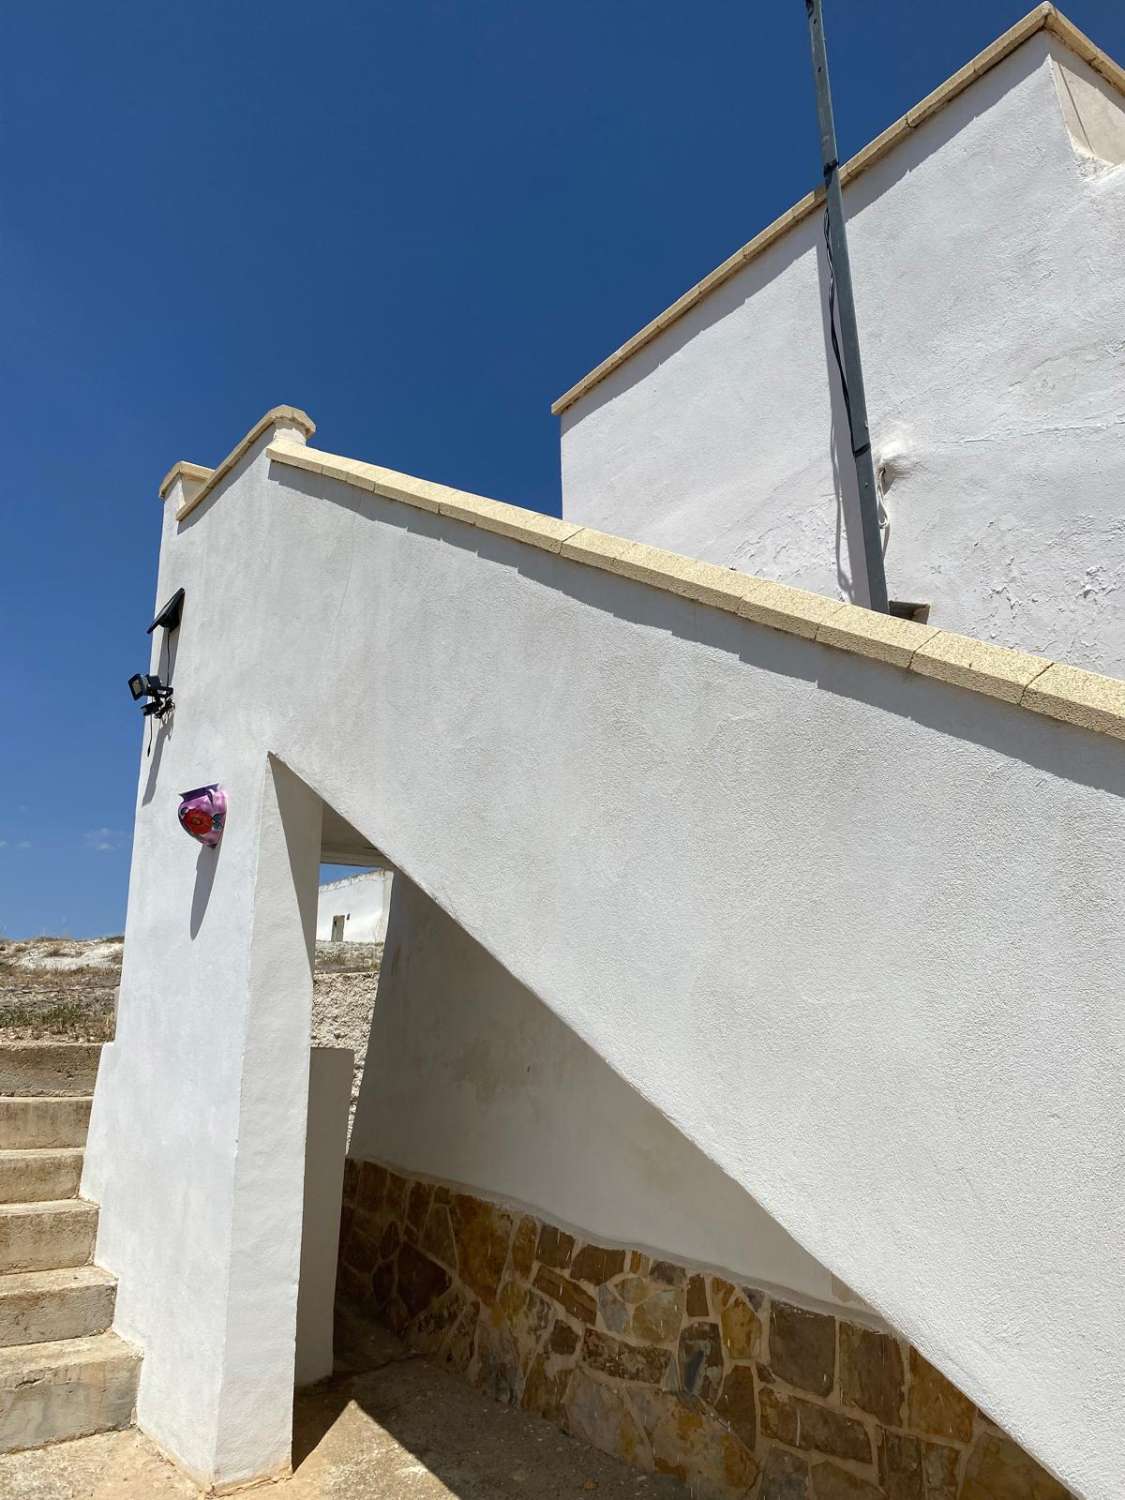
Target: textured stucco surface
x=330 y=1086
x=990 y=296
x=519 y=1106
x=889 y=1010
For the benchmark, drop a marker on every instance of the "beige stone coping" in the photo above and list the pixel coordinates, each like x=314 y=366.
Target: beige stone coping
x=291 y=416
x=1032 y=682
x=182 y=470
x=1042 y=18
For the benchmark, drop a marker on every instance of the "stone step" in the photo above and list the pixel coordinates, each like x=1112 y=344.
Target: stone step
x=26 y=1123
x=39 y=1068
x=39 y=1174
x=47 y=1236
x=68 y=1389
x=38 y=1307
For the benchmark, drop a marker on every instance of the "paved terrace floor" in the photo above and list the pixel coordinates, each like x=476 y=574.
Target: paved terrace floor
x=388 y=1426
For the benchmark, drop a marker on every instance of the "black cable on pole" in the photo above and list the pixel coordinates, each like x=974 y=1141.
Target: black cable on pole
x=841 y=307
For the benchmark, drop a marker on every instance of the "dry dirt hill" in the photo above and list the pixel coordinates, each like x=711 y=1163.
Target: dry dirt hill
x=64 y=990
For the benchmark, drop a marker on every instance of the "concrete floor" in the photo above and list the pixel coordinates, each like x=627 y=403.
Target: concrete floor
x=389 y=1426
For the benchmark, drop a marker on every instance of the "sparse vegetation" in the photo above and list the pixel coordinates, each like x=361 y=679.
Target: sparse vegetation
x=59 y=989
x=68 y=1021
x=64 y=990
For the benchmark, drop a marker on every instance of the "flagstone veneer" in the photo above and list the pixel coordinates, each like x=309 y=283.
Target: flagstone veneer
x=675 y=1370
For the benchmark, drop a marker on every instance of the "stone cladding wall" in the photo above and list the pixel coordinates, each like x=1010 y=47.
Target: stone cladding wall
x=676 y=1370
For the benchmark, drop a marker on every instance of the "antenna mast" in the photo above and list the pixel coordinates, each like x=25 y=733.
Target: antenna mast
x=841 y=305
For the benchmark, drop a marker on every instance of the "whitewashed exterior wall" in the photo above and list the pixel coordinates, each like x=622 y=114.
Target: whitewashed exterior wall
x=519 y=1107
x=326 y=1142
x=363 y=901
x=889 y=1012
x=990 y=288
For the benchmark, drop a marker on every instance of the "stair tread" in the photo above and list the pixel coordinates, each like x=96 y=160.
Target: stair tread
x=48 y=1120
x=22 y=1360
x=37 y=1153
x=44 y=1098
x=63 y=1279
x=64 y=1207
x=33 y=1046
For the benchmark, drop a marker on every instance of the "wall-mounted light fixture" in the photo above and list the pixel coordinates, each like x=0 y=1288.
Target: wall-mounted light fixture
x=148 y=685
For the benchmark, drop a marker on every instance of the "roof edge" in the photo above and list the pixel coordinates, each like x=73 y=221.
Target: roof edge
x=1044 y=17
x=370 y=873
x=1035 y=683
x=291 y=415
x=182 y=470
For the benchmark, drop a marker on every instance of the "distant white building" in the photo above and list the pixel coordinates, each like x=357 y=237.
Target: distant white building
x=354 y=910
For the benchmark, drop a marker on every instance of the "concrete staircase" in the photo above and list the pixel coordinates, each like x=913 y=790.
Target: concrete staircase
x=62 y=1373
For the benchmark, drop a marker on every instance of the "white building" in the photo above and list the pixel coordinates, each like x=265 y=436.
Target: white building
x=803 y=1182
x=355 y=909
x=985 y=229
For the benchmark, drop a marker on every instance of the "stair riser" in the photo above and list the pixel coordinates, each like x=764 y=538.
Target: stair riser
x=40 y=1180
x=46 y=1242
x=45 y=1318
x=48 y=1068
x=68 y=1403
x=26 y=1123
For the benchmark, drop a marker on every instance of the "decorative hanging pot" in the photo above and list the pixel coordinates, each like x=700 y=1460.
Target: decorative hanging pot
x=203 y=813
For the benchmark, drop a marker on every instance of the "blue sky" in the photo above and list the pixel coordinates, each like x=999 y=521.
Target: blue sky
x=420 y=221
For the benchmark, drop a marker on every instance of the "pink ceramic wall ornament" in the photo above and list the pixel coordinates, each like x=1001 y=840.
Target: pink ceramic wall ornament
x=203 y=813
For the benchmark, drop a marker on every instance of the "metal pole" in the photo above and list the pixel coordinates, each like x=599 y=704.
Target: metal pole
x=852 y=369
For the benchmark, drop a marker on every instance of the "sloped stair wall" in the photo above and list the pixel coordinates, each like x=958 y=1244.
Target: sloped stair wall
x=888 y=1009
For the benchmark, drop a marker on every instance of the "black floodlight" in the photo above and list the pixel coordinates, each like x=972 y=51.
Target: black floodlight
x=169 y=616
x=148 y=685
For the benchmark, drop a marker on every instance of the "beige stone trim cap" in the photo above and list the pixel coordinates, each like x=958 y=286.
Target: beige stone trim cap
x=985 y=668
x=183 y=470
x=477 y=510
x=277 y=416
x=1079 y=697
x=1015 y=677
x=1042 y=18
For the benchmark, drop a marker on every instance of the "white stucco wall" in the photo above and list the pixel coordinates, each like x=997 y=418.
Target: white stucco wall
x=198 y=1133
x=473 y=1080
x=362 y=900
x=890 y=1010
x=990 y=290
x=330 y=1097
x=198 y=1158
